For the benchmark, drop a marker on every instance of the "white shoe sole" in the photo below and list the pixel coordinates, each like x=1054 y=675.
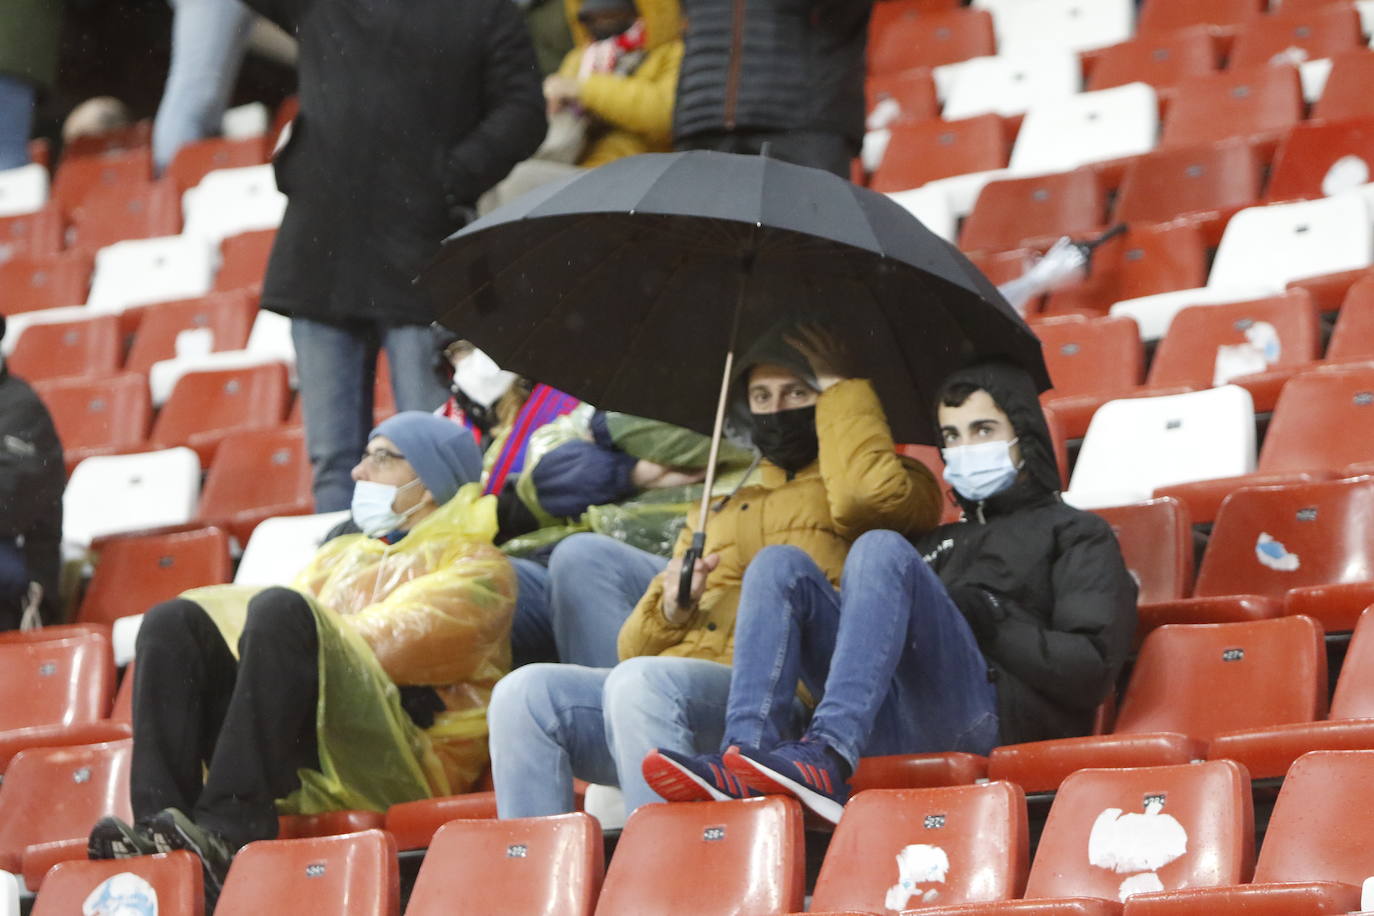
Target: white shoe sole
x=827 y=808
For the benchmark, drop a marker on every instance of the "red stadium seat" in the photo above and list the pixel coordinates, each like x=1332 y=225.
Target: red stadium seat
x=912 y=90
x=1268 y=541
x=98 y=416
x=87 y=348
x=134 y=573
x=244 y=261
x=1143 y=261
x=1353 y=337
x=318 y=876
x=1317 y=32
x=1170 y=15
x=1113 y=832
x=1346 y=94
x=229 y=316
x=38 y=234
x=1091 y=361
x=175 y=877
x=257 y=474
x=918 y=771
x=78 y=177
x=114 y=214
x=1033 y=212
x=902 y=37
x=327 y=823
x=1188 y=354
x=975 y=835
x=196 y=160
x=62 y=681
x=1319 y=427
x=206 y=406
x=1306 y=155
x=1314 y=855
x=933 y=149
x=413 y=824
x=1258 y=104
x=741 y=857
x=1204 y=184
x=138 y=135
x=32 y=282
x=1156 y=539
x=525 y=865
x=1162 y=60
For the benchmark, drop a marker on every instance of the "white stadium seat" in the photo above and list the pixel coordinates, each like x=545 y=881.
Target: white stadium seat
x=115 y=493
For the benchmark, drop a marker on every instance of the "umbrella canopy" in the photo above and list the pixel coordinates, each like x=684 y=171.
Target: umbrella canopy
x=627 y=285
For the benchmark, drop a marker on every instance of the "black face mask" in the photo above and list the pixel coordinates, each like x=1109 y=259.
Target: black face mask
x=787 y=438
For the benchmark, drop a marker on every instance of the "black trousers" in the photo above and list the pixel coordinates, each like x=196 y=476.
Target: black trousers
x=217 y=738
x=817 y=148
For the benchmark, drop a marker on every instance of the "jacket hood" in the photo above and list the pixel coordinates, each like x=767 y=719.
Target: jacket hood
x=1013 y=390
x=769 y=348
x=662 y=22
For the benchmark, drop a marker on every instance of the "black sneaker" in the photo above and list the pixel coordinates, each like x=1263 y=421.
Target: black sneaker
x=111 y=838
x=171 y=829
x=686 y=777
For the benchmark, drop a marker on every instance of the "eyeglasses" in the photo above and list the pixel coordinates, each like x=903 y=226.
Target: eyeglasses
x=381 y=458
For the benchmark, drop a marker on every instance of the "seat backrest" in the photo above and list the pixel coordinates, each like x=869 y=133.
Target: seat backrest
x=1156 y=538
x=114 y=493
x=23 y=189
x=902 y=37
x=193 y=161
x=1136 y=445
x=1088 y=355
x=1317 y=32
x=912 y=92
x=895 y=848
x=69 y=349
x=227 y=316
x=1319 y=830
x=55 y=681
x=111 y=413
x=255 y=475
x=173 y=877
x=230 y=201
x=54 y=794
x=137 y=135
x=1354 y=696
x=1324 y=420
x=1346 y=93
x=1202 y=679
x=1275 y=332
x=281 y=547
x=1150 y=828
x=1028 y=27
x=1144 y=260
x=1281 y=242
x=79 y=176
x=1353 y=336
x=1306 y=156
x=355 y=873
x=38 y=233
x=1089 y=127
x=1023 y=211
x=206 y=406
x=31 y=282
x=1257 y=103
x=1267 y=540
x=1213 y=178
x=524 y=865
x=109 y=215
x=1163 y=60
x=743 y=857
x=1010 y=84
x=244 y=259
x=151 y=270
x=935 y=149
x=1169 y=15
x=134 y=573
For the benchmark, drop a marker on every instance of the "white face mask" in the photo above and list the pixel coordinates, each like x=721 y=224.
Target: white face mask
x=371 y=507
x=481 y=379
x=982 y=470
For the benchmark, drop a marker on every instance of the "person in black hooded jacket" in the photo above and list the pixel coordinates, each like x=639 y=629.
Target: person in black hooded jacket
x=1008 y=626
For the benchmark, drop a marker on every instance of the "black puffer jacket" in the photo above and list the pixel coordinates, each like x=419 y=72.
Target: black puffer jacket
x=32 y=478
x=773 y=65
x=1042 y=584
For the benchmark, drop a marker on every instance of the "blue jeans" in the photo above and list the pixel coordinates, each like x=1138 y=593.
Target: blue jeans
x=893 y=663
x=17 y=98
x=572 y=611
x=208 y=41
x=550 y=723
x=336 y=365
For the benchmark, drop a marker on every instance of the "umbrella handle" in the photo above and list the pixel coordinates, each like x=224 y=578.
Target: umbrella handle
x=689 y=565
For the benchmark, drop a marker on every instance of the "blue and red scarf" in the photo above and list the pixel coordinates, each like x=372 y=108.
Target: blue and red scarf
x=544 y=405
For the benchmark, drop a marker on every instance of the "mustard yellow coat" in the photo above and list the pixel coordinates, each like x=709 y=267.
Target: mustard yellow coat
x=858 y=483
x=637 y=110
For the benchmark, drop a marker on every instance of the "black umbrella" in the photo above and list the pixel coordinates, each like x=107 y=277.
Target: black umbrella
x=628 y=284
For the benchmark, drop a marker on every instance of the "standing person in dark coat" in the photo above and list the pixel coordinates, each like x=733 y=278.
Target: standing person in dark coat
x=409 y=112
x=32 y=478
x=788 y=73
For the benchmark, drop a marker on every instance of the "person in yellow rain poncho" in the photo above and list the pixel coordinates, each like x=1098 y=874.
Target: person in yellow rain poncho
x=363 y=685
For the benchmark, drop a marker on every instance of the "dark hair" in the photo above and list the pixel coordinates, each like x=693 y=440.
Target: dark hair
x=954 y=395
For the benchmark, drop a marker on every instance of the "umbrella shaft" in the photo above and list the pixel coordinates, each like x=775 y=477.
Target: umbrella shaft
x=715 y=437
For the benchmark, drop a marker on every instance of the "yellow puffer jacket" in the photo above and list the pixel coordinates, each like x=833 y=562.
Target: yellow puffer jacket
x=637 y=110
x=858 y=483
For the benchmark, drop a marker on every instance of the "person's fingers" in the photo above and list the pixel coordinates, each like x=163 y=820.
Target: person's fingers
x=711 y=561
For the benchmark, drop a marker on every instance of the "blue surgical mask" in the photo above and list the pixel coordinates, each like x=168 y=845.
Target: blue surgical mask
x=371 y=507
x=982 y=470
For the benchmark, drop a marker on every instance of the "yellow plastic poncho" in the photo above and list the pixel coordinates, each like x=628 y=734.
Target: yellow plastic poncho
x=433 y=609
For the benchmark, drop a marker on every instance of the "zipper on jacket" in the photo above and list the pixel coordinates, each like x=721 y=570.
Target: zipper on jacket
x=736 y=50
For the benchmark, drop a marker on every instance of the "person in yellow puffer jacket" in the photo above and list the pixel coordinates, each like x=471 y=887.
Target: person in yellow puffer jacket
x=363 y=685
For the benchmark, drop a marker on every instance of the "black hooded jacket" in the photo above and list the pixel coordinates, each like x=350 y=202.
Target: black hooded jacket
x=1042 y=584
x=32 y=479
